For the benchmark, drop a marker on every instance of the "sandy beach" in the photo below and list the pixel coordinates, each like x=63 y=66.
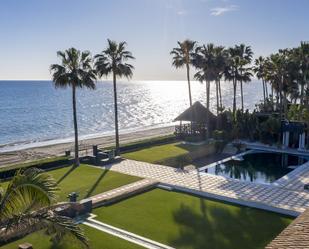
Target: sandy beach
x=34 y=153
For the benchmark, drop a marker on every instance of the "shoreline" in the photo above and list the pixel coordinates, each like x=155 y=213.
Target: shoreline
x=47 y=150
x=30 y=144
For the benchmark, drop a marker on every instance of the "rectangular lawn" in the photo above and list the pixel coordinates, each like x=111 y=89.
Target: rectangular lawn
x=97 y=240
x=86 y=180
x=160 y=152
x=189 y=222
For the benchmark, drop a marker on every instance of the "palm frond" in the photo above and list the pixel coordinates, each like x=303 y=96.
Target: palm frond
x=25 y=207
x=75 y=69
x=28 y=190
x=113 y=60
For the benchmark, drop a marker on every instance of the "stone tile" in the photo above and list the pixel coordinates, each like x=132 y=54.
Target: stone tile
x=279 y=195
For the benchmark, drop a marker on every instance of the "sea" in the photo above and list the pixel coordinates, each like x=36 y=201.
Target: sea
x=32 y=112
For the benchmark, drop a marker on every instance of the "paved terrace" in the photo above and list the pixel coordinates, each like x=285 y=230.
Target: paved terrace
x=272 y=148
x=295 y=236
x=270 y=197
x=122 y=192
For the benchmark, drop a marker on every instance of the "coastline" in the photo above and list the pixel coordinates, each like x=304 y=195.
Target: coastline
x=39 y=151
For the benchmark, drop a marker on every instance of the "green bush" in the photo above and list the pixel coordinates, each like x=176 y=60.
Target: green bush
x=219 y=135
x=269 y=130
x=219 y=145
x=45 y=164
x=194 y=139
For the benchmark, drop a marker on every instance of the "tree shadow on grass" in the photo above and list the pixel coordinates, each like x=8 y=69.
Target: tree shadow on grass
x=72 y=168
x=217 y=227
x=95 y=185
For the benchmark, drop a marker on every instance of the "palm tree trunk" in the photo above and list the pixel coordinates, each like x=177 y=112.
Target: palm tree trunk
x=242 y=96
x=116 y=115
x=75 y=126
x=234 y=97
x=301 y=94
x=272 y=97
x=263 y=90
x=285 y=104
x=281 y=99
x=207 y=93
x=207 y=106
x=220 y=96
x=217 y=95
x=189 y=84
x=266 y=89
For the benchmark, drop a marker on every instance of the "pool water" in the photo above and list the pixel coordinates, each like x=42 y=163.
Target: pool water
x=258 y=167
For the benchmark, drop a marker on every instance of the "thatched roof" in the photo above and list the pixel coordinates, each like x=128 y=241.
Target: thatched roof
x=196 y=113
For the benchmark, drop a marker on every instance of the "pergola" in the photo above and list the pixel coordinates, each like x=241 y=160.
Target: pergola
x=297 y=129
x=196 y=117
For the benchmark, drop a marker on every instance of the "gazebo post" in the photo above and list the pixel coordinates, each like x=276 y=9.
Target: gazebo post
x=180 y=127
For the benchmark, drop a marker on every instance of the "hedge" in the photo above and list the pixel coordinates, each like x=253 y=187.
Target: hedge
x=45 y=164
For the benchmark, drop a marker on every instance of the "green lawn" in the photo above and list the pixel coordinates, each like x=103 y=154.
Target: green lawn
x=87 y=180
x=188 y=222
x=160 y=152
x=97 y=240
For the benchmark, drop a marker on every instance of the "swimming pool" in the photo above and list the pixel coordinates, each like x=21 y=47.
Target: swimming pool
x=257 y=167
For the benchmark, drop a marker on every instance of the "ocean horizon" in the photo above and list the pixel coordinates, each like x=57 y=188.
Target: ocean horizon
x=33 y=112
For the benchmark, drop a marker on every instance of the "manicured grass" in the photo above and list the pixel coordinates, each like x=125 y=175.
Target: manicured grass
x=188 y=222
x=143 y=143
x=161 y=152
x=97 y=240
x=86 y=180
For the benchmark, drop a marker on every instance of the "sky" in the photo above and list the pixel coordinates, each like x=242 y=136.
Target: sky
x=32 y=31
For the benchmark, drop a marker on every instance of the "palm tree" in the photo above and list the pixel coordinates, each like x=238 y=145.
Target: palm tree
x=75 y=71
x=27 y=205
x=278 y=75
x=231 y=72
x=113 y=60
x=301 y=57
x=245 y=53
x=182 y=56
x=259 y=70
x=220 y=58
x=204 y=61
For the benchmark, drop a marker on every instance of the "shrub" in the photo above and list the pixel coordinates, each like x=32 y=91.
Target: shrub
x=219 y=135
x=45 y=164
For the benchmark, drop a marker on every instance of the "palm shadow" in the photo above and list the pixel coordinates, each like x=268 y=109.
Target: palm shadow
x=217 y=227
x=66 y=174
x=89 y=193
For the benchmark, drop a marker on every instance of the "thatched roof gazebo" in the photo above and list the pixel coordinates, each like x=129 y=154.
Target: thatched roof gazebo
x=198 y=116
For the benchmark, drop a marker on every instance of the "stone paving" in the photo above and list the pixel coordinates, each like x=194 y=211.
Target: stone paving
x=296 y=179
x=122 y=192
x=295 y=236
x=280 y=196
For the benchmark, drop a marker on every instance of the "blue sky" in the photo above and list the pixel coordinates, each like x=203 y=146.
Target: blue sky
x=33 y=30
